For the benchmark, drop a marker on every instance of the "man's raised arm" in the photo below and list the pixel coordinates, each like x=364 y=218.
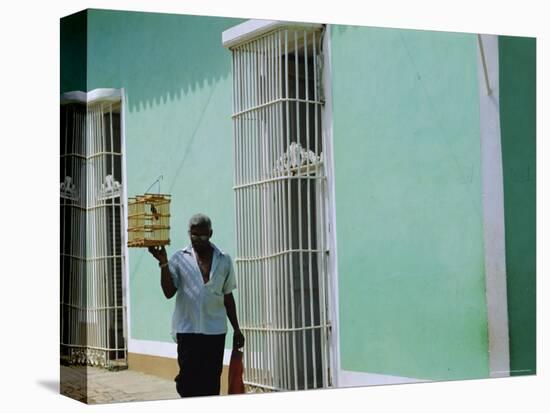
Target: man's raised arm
x=166 y=283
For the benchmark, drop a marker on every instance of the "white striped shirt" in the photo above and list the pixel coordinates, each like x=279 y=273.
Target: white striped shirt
x=199 y=307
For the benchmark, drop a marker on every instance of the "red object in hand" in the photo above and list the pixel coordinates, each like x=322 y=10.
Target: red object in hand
x=236 y=384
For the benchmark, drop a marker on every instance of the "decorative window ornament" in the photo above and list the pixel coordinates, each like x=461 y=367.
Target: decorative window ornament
x=68 y=189
x=296 y=157
x=111 y=188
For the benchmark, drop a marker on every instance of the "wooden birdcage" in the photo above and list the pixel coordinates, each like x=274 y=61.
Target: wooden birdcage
x=149 y=220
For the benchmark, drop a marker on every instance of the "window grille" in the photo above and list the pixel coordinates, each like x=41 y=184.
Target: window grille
x=280 y=191
x=93 y=311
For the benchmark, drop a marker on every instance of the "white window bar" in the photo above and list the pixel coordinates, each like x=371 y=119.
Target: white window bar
x=280 y=193
x=92 y=305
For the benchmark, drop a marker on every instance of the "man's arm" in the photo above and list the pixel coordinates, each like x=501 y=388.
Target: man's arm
x=166 y=283
x=230 y=308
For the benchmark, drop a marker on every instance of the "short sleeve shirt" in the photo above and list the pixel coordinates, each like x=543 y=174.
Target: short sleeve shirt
x=199 y=307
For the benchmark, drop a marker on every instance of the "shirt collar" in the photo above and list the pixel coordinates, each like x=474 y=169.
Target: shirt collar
x=189 y=249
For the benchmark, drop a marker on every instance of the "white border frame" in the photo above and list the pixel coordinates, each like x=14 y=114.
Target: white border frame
x=493 y=205
x=124 y=226
x=330 y=218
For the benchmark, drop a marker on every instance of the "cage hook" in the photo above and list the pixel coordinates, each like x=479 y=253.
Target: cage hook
x=156 y=182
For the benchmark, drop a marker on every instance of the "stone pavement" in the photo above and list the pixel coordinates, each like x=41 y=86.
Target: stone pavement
x=104 y=386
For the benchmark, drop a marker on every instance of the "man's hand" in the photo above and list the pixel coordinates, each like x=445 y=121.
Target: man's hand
x=238 y=339
x=159 y=253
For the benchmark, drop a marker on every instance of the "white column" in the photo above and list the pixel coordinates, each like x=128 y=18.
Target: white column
x=330 y=218
x=493 y=206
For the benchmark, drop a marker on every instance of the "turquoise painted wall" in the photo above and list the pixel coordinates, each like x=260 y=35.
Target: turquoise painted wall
x=408 y=203
x=517 y=64
x=177 y=79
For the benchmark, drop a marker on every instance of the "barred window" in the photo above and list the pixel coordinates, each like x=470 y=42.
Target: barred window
x=93 y=311
x=280 y=192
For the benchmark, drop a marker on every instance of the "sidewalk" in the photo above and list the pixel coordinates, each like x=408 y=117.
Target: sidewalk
x=115 y=386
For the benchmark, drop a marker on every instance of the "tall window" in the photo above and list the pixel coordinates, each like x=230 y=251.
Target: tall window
x=92 y=253
x=280 y=189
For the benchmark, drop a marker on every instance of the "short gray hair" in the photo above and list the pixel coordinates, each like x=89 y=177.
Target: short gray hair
x=200 y=220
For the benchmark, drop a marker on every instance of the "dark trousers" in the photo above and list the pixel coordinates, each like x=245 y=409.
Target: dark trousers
x=200 y=358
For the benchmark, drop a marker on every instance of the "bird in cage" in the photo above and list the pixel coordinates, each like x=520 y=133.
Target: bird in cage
x=154 y=212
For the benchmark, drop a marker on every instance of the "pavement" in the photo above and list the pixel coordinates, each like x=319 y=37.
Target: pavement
x=95 y=385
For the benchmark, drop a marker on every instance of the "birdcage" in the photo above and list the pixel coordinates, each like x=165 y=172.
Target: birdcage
x=149 y=220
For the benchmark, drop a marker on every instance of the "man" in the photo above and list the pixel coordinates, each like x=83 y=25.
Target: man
x=202 y=278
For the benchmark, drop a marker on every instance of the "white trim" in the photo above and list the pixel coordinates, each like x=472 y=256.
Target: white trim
x=113 y=95
x=493 y=206
x=227 y=356
x=353 y=379
x=251 y=29
x=124 y=203
x=163 y=349
x=153 y=348
x=331 y=210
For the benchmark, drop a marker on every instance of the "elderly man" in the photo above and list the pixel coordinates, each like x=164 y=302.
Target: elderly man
x=202 y=278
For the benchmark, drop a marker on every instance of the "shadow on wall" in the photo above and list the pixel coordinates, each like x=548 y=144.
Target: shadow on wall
x=72 y=41
x=156 y=57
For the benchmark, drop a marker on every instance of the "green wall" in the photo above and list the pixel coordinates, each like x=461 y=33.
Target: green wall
x=177 y=78
x=73 y=58
x=408 y=203
x=517 y=64
x=407 y=167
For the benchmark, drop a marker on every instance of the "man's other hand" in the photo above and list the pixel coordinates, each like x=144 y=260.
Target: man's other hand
x=238 y=339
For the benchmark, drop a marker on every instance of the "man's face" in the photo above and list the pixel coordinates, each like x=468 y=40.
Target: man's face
x=200 y=237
